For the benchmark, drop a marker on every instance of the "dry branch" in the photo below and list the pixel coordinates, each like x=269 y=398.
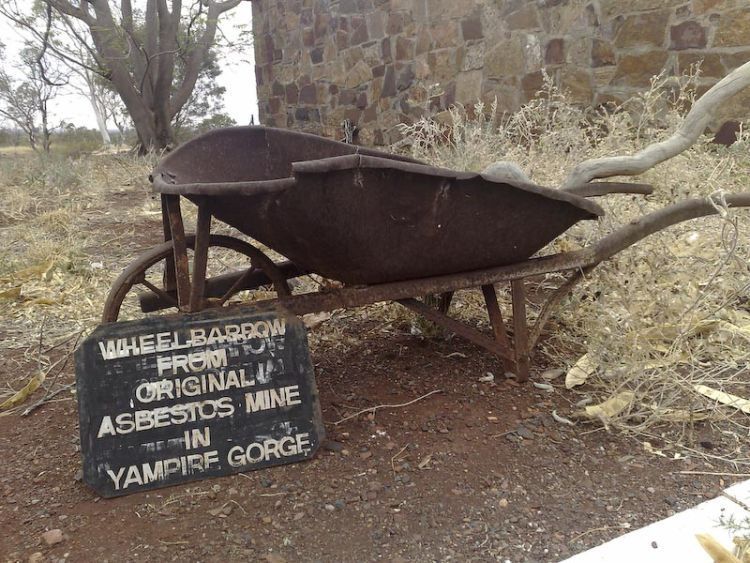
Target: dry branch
x=692 y=128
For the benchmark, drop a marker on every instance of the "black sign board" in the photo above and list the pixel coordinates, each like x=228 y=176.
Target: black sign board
x=174 y=399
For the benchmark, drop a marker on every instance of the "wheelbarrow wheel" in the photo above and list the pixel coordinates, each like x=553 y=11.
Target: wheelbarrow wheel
x=136 y=274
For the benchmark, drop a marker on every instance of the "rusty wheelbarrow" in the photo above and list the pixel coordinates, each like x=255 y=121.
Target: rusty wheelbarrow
x=387 y=227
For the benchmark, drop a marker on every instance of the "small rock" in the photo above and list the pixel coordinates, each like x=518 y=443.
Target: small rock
x=339 y=504
x=298 y=516
x=267 y=519
x=503 y=503
x=524 y=433
x=274 y=558
x=329 y=507
x=333 y=446
x=365 y=455
x=227 y=509
x=36 y=557
x=53 y=537
x=552 y=374
x=374 y=486
x=78 y=477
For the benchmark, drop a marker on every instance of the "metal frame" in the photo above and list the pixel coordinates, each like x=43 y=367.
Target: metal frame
x=514 y=347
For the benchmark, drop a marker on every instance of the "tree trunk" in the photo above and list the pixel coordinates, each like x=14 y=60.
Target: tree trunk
x=98 y=112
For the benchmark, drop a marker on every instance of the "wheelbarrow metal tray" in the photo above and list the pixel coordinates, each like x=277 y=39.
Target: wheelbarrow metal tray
x=363 y=217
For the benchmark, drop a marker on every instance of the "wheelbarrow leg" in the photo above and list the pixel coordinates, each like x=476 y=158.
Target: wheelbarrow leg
x=498 y=326
x=520 y=329
x=177 y=232
x=200 y=257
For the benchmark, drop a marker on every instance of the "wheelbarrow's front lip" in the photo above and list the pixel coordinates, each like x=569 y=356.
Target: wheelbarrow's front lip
x=162 y=185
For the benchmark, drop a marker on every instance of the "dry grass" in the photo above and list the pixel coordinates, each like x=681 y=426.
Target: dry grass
x=662 y=317
x=57 y=258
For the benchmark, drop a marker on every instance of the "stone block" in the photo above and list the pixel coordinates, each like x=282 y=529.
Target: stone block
x=578 y=83
x=647 y=29
x=308 y=36
x=602 y=54
x=424 y=41
x=734 y=29
x=405 y=77
x=385 y=49
x=532 y=51
x=450 y=9
x=442 y=65
x=531 y=84
x=469 y=87
x=687 y=35
x=473 y=57
x=389 y=83
x=710 y=64
x=554 y=52
x=471 y=27
x=603 y=76
x=613 y=8
x=342 y=39
x=322 y=25
x=359 y=33
x=525 y=18
x=347 y=97
x=352 y=56
x=395 y=23
x=376 y=25
x=359 y=74
x=405 y=48
x=734 y=60
x=505 y=59
x=445 y=34
x=308 y=94
x=637 y=70
x=316 y=55
x=422 y=68
x=291 y=94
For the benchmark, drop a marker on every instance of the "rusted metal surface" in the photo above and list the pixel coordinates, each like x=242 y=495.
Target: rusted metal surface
x=520 y=329
x=389 y=227
x=498 y=325
x=363 y=217
x=457 y=327
x=179 y=250
x=221 y=287
x=200 y=257
x=135 y=274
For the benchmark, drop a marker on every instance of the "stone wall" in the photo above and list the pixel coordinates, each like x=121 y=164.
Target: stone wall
x=382 y=62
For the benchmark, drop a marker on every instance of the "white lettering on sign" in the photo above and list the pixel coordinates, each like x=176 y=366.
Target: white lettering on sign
x=160 y=417
x=268 y=449
x=238 y=333
x=160 y=470
x=116 y=348
x=191 y=362
x=272 y=398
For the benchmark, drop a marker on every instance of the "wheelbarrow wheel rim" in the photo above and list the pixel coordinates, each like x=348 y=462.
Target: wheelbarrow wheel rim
x=130 y=276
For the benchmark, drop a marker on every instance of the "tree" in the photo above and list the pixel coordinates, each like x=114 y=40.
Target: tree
x=152 y=57
x=25 y=102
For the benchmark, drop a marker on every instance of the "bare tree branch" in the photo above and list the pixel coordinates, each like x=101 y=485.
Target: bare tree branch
x=687 y=134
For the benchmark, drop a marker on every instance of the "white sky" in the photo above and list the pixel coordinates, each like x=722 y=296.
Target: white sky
x=238 y=76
